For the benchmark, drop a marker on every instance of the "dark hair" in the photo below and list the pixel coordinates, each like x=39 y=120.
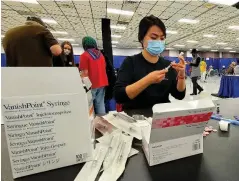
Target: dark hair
x=238 y=61
x=71 y=55
x=194 y=50
x=36 y=19
x=146 y=23
x=86 y=47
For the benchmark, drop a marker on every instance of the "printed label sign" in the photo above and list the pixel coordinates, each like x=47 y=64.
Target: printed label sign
x=46 y=132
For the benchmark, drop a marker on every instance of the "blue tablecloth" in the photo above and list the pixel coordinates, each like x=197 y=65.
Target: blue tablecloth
x=229 y=86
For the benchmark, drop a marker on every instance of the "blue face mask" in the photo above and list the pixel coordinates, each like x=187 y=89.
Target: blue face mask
x=155 y=47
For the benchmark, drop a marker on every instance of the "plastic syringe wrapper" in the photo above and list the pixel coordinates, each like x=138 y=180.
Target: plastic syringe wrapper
x=103 y=126
x=124 y=123
x=91 y=169
x=118 y=161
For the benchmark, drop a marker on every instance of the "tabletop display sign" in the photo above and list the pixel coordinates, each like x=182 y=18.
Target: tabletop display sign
x=46 y=127
x=176 y=130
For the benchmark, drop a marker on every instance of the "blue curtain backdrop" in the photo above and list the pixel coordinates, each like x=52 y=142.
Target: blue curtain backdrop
x=217 y=63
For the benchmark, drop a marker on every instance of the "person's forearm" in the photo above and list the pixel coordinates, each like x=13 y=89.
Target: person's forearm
x=84 y=73
x=136 y=88
x=181 y=85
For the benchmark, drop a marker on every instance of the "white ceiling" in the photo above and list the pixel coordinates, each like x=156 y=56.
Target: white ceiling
x=80 y=18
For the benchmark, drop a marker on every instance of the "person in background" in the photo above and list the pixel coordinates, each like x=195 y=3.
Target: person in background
x=209 y=71
x=195 y=74
x=93 y=65
x=142 y=79
x=223 y=71
x=66 y=59
x=236 y=69
x=203 y=69
x=230 y=70
x=30 y=45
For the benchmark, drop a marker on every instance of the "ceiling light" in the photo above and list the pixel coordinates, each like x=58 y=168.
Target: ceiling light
x=118 y=27
x=139 y=47
x=190 y=21
x=233 y=51
x=66 y=39
x=224 y=2
x=192 y=41
x=227 y=48
x=179 y=45
x=116 y=36
x=233 y=27
x=210 y=36
x=75 y=44
x=118 y=11
x=171 y=32
x=50 y=21
x=114 y=42
x=2 y=36
x=237 y=38
x=169 y=48
x=214 y=50
x=26 y=1
x=113 y=46
x=59 y=32
x=206 y=47
x=221 y=43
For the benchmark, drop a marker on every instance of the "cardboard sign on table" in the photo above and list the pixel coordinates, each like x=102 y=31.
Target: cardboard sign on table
x=176 y=130
x=45 y=111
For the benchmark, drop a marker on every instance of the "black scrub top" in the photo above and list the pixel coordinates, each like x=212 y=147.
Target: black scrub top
x=135 y=68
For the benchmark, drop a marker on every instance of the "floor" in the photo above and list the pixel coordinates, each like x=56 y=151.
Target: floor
x=211 y=86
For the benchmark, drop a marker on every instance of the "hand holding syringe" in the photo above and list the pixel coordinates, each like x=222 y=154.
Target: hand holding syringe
x=180 y=67
x=168 y=67
x=159 y=75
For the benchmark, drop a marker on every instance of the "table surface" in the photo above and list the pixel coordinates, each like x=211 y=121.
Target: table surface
x=219 y=162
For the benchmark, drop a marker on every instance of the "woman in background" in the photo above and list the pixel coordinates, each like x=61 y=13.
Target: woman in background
x=66 y=59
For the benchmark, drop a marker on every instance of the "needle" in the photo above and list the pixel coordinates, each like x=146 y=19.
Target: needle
x=121 y=152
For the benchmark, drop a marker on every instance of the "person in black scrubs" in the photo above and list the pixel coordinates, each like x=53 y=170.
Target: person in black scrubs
x=66 y=59
x=142 y=79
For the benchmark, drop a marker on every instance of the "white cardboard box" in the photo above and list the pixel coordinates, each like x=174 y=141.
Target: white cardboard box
x=46 y=117
x=176 y=130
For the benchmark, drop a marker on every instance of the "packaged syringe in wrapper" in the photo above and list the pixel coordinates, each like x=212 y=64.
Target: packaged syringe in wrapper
x=176 y=130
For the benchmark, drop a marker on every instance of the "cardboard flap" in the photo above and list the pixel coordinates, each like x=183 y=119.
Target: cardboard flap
x=28 y=81
x=182 y=105
x=180 y=119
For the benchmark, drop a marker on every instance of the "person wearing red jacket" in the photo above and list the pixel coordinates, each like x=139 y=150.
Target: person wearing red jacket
x=93 y=65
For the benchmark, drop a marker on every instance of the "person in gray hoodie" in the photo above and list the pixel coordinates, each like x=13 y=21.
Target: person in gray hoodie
x=195 y=72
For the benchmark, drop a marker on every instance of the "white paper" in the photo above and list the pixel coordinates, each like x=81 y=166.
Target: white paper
x=87 y=82
x=133 y=152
